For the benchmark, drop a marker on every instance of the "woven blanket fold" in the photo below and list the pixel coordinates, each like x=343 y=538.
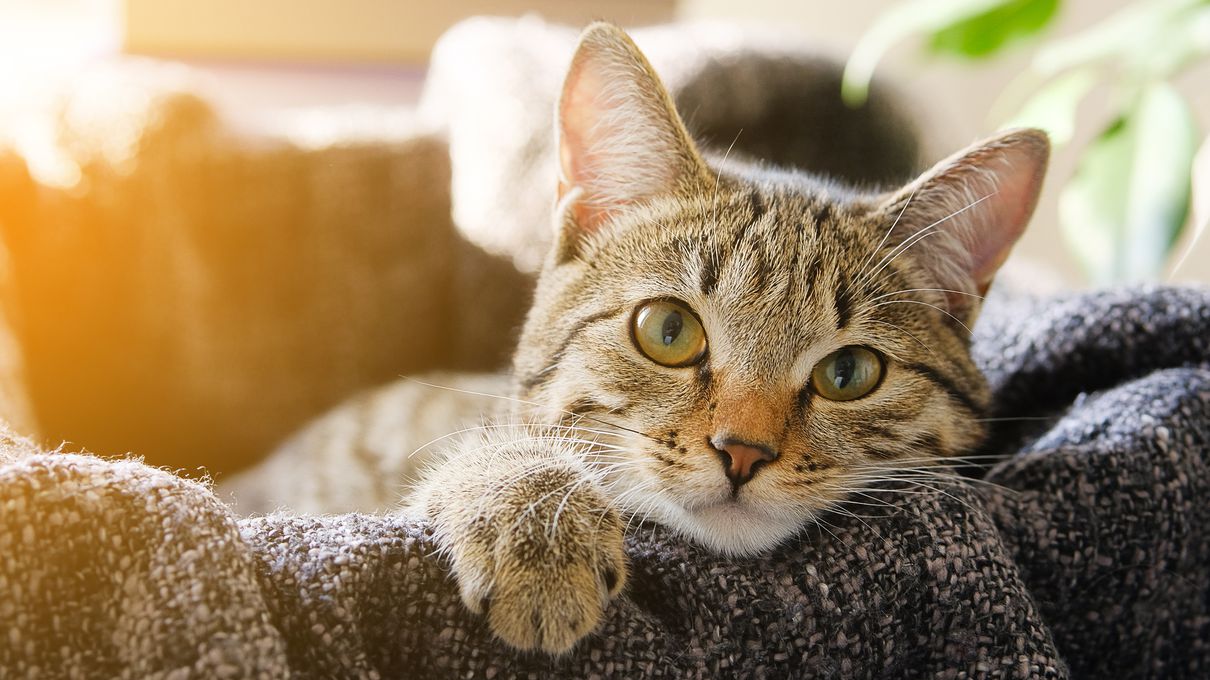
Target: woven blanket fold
x=1085 y=551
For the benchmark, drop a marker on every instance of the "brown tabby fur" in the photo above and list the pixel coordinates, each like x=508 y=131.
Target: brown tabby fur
x=782 y=268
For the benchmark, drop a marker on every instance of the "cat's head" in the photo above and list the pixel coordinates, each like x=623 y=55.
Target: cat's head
x=764 y=341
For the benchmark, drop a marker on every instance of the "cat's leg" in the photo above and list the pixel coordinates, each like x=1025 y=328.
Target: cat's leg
x=534 y=543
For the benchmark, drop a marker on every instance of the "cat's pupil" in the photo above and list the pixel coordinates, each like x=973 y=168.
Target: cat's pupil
x=672 y=327
x=845 y=366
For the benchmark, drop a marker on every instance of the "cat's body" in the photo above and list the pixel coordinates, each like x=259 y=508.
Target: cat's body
x=726 y=349
x=367 y=454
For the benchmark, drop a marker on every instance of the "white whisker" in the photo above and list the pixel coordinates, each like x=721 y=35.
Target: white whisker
x=909 y=334
x=887 y=235
x=918 y=236
x=918 y=302
x=527 y=402
x=926 y=290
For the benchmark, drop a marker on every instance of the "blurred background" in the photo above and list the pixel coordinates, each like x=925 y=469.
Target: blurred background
x=265 y=58
x=222 y=217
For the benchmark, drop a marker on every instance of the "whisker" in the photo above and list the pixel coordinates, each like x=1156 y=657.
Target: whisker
x=585 y=447
x=910 y=334
x=919 y=236
x=719 y=176
x=839 y=508
x=938 y=459
x=620 y=500
x=486 y=427
x=526 y=402
x=874 y=502
x=1008 y=419
x=554 y=522
x=824 y=524
x=926 y=304
x=924 y=485
x=948 y=477
x=887 y=235
x=927 y=290
x=850 y=501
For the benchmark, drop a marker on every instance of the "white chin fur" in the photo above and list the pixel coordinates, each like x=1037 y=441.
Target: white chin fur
x=725 y=527
x=735 y=529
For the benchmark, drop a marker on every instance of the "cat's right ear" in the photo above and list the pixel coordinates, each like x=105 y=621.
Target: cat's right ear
x=975 y=205
x=620 y=140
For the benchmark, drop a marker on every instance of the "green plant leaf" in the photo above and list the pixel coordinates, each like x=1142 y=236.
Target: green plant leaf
x=1053 y=108
x=1180 y=42
x=903 y=20
x=1200 y=186
x=986 y=33
x=1123 y=209
x=1138 y=32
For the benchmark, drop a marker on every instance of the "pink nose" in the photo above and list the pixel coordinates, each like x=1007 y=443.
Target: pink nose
x=741 y=459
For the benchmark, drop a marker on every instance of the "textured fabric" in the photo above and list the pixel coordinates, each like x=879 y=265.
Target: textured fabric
x=1087 y=554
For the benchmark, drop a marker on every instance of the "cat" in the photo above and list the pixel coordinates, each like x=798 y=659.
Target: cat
x=721 y=347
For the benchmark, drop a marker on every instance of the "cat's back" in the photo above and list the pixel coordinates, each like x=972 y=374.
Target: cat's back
x=364 y=455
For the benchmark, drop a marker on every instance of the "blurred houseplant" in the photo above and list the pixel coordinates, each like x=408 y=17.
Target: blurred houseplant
x=1130 y=197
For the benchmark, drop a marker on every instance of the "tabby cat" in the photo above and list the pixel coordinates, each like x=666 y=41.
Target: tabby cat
x=723 y=348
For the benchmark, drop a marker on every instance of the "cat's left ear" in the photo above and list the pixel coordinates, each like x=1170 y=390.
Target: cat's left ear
x=962 y=217
x=620 y=140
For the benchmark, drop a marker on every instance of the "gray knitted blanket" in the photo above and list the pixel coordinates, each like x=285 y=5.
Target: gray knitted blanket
x=1086 y=553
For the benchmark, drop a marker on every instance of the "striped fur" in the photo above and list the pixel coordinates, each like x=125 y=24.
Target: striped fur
x=782 y=268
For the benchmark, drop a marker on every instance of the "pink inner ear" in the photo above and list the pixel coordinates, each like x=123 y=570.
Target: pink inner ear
x=1003 y=217
x=578 y=114
x=980 y=201
x=989 y=192
x=572 y=126
x=621 y=142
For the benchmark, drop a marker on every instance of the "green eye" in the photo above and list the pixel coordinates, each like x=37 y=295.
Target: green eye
x=848 y=373
x=668 y=333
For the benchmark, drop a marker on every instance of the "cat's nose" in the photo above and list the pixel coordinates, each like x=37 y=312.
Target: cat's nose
x=741 y=458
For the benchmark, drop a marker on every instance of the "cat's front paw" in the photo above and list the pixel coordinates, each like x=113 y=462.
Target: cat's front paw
x=540 y=555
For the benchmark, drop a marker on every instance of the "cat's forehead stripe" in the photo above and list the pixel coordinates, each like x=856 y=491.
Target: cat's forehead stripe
x=843 y=300
x=750 y=246
x=757 y=204
x=708 y=280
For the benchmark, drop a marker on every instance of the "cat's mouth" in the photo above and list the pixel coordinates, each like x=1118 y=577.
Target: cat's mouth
x=725 y=502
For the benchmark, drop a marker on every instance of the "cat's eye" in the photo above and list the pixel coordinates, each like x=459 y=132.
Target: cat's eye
x=848 y=373
x=668 y=333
